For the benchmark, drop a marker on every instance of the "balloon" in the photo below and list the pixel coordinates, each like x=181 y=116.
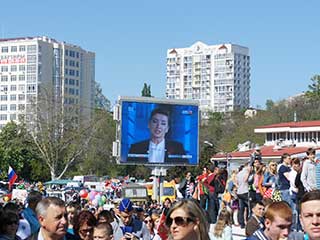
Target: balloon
x=103 y=198
x=83 y=193
x=98 y=197
x=6 y=199
x=92 y=195
x=95 y=202
x=100 y=202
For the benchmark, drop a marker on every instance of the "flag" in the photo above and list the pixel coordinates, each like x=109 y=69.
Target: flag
x=163 y=231
x=12 y=176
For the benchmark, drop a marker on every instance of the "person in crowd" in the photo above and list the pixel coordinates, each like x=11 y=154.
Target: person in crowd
x=310 y=215
x=278 y=219
x=284 y=178
x=29 y=212
x=103 y=231
x=295 y=168
x=166 y=205
x=24 y=230
x=105 y=216
x=258 y=182
x=51 y=213
x=223 y=228
x=255 y=164
x=72 y=209
x=151 y=227
x=202 y=188
x=186 y=220
x=269 y=179
x=242 y=192
x=213 y=202
x=157 y=149
x=84 y=224
x=125 y=226
x=308 y=174
x=9 y=225
x=187 y=186
x=155 y=216
x=256 y=220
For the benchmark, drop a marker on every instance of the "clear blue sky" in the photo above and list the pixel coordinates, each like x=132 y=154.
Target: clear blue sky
x=130 y=38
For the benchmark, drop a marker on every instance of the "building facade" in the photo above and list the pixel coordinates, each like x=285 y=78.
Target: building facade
x=33 y=65
x=217 y=75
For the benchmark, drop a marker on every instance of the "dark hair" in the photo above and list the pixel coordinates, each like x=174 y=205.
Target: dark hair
x=6 y=218
x=284 y=156
x=310 y=196
x=159 y=111
x=84 y=216
x=255 y=203
x=34 y=197
x=295 y=161
x=106 y=214
x=311 y=151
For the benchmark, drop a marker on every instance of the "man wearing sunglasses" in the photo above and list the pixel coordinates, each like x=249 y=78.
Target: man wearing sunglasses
x=126 y=226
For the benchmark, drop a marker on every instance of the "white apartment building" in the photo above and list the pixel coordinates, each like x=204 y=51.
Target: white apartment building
x=33 y=65
x=217 y=75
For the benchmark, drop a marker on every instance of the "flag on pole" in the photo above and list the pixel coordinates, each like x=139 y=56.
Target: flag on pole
x=163 y=231
x=12 y=176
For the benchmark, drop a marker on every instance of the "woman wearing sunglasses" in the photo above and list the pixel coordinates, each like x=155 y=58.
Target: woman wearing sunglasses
x=186 y=220
x=151 y=227
x=84 y=224
x=9 y=225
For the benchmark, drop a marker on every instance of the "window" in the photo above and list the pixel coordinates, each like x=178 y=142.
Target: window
x=66 y=52
x=13 y=88
x=14 y=49
x=31 y=78
x=31 y=68
x=13 y=116
x=13 y=107
x=77 y=55
x=4 y=88
x=3 y=117
x=21 y=107
x=3 y=97
x=22 y=48
x=66 y=62
x=21 y=97
x=4 y=78
x=4 y=68
x=13 y=97
x=22 y=77
x=3 y=107
x=31 y=88
x=13 y=68
x=31 y=48
x=4 y=49
x=31 y=58
x=22 y=67
x=21 y=87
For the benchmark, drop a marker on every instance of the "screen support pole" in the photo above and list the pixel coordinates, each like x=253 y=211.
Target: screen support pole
x=159 y=173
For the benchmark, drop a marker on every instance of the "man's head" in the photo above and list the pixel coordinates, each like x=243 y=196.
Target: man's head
x=103 y=231
x=51 y=215
x=72 y=211
x=158 y=124
x=33 y=198
x=258 y=209
x=310 y=214
x=311 y=153
x=278 y=219
x=286 y=159
x=125 y=211
x=296 y=164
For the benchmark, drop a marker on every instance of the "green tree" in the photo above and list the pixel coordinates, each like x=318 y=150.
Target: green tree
x=313 y=92
x=146 y=91
x=100 y=100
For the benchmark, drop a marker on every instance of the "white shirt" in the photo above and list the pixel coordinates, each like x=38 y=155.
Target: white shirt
x=156 y=152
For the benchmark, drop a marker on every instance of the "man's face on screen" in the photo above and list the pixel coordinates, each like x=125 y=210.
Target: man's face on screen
x=158 y=126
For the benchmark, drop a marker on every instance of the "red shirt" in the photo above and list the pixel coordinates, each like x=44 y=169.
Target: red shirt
x=208 y=181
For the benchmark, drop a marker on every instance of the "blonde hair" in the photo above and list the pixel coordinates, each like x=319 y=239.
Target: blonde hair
x=224 y=220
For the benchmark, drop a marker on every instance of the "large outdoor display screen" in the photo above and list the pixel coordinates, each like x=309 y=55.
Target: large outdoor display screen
x=157 y=133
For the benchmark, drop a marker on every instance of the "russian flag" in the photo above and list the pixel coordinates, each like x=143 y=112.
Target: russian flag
x=12 y=176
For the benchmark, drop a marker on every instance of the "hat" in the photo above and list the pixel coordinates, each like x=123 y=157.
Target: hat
x=125 y=205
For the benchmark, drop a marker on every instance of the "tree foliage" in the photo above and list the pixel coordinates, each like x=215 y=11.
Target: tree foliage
x=146 y=91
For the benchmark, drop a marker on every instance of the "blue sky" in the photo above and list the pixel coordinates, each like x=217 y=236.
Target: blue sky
x=130 y=38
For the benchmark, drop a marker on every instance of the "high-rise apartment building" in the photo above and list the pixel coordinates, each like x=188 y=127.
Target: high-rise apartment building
x=32 y=65
x=217 y=75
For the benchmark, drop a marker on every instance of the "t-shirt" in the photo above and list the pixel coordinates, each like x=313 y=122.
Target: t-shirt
x=283 y=181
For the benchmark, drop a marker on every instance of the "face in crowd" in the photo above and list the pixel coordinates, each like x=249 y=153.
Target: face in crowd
x=310 y=217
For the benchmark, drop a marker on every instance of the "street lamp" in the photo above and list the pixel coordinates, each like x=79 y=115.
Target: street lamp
x=208 y=143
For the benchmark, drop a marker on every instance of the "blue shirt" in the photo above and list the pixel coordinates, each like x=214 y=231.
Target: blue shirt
x=283 y=181
x=31 y=217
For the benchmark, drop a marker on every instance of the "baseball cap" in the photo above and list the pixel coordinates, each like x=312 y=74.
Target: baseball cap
x=125 y=205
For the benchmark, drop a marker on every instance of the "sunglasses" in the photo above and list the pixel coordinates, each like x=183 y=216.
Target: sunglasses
x=12 y=222
x=179 y=221
x=147 y=221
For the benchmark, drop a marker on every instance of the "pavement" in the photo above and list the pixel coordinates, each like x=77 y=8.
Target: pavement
x=237 y=232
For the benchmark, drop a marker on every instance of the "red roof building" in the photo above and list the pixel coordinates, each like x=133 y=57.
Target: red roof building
x=293 y=138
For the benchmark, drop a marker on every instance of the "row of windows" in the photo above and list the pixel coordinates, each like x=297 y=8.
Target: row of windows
x=71 y=81
x=72 y=91
x=297 y=136
x=71 y=72
x=31 y=78
x=29 y=87
x=71 y=63
x=21 y=48
x=71 y=53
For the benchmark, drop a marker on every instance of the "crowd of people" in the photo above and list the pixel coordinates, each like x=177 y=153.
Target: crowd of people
x=273 y=201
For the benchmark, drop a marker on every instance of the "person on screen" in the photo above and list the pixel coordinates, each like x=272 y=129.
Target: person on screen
x=157 y=149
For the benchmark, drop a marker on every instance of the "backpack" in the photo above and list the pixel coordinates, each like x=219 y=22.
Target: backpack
x=219 y=185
